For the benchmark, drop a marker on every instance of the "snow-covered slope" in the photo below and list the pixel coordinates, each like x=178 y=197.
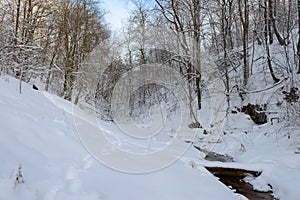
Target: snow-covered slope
x=272 y=149
x=37 y=130
x=41 y=135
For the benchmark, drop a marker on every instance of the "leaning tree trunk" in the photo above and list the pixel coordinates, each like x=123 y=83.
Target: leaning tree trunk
x=272 y=13
x=266 y=31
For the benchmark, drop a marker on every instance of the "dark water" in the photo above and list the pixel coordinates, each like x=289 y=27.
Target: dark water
x=233 y=178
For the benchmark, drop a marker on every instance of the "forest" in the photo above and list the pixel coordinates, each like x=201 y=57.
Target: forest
x=201 y=88
x=67 y=45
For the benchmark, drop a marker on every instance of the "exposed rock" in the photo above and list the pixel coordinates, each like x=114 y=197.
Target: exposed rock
x=256 y=112
x=212 y=156
x=35 y=87
x=195 y=125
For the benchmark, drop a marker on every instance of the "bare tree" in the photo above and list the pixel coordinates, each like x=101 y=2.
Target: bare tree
x=49 y=40
x=138 y=23
x=185 y=20
x=226 y=13
x=80 y=32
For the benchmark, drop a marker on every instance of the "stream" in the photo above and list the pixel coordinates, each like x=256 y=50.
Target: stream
x=234 y=179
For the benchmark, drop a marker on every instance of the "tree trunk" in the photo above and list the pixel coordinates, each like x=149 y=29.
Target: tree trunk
x=230 y=21
x=224 y=28
x=298 y=46
x=269 y=9
x=17 y=22
x=67 y=83
x=196 y=25
x=259 y=24
x=77 y=96
x=273 y=22
x=266 y=31
x=244 y=15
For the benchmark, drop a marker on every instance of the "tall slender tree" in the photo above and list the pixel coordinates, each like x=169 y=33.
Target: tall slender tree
x=185 y=20
x=244 y=17
x=298 y=46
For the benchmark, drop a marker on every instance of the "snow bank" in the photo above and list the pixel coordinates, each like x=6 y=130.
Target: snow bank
x=38 y=131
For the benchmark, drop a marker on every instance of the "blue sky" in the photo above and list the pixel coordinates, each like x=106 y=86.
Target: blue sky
x=118 y=11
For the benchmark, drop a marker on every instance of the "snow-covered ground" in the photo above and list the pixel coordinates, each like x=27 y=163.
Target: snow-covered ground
x=41 y=135
x=272 y=149
x=37 y=130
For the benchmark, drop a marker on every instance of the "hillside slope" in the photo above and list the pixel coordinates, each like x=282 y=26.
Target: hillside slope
x=41 y=135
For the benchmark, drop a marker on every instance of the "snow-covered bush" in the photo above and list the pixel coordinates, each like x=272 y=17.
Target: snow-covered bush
x=19 y=176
